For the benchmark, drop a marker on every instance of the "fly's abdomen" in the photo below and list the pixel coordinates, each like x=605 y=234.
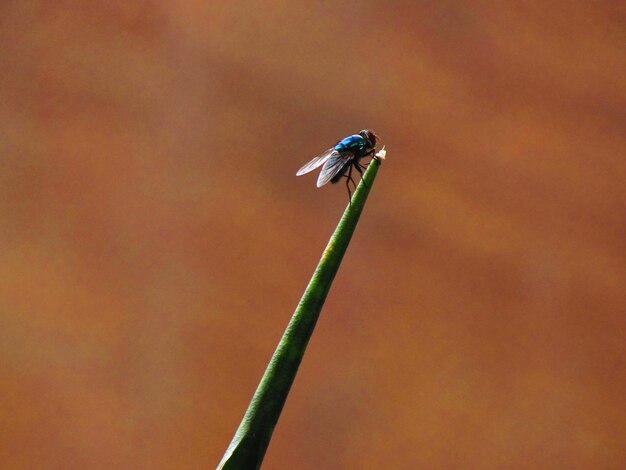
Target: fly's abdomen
x=341 y=173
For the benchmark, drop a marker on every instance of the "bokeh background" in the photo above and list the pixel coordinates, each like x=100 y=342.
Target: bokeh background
x=154 y=239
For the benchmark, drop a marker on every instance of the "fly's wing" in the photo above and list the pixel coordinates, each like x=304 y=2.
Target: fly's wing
x=333 y=166
x=316 y=162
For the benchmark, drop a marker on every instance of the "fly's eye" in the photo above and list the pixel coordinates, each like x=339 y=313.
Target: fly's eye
x=372 y=138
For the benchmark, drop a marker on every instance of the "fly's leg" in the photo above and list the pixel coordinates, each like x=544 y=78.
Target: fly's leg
x=371 y=153
x=349 y=191
x=358 y=168
x=348 y=179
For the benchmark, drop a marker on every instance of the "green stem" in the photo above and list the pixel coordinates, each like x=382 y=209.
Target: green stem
x=247 y=449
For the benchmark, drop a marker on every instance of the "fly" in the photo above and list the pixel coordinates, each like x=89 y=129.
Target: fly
x=339 y=160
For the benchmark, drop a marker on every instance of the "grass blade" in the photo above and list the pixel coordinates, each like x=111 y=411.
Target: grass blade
x=247 y=449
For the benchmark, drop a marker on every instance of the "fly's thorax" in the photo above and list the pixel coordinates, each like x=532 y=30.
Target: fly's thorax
x=355 y=145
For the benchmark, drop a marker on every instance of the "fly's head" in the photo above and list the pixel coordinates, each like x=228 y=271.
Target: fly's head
x=370 y=137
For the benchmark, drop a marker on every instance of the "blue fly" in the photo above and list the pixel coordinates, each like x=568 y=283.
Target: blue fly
x=341 y=158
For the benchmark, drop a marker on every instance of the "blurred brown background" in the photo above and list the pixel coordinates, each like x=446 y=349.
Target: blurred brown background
x=154 y=239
